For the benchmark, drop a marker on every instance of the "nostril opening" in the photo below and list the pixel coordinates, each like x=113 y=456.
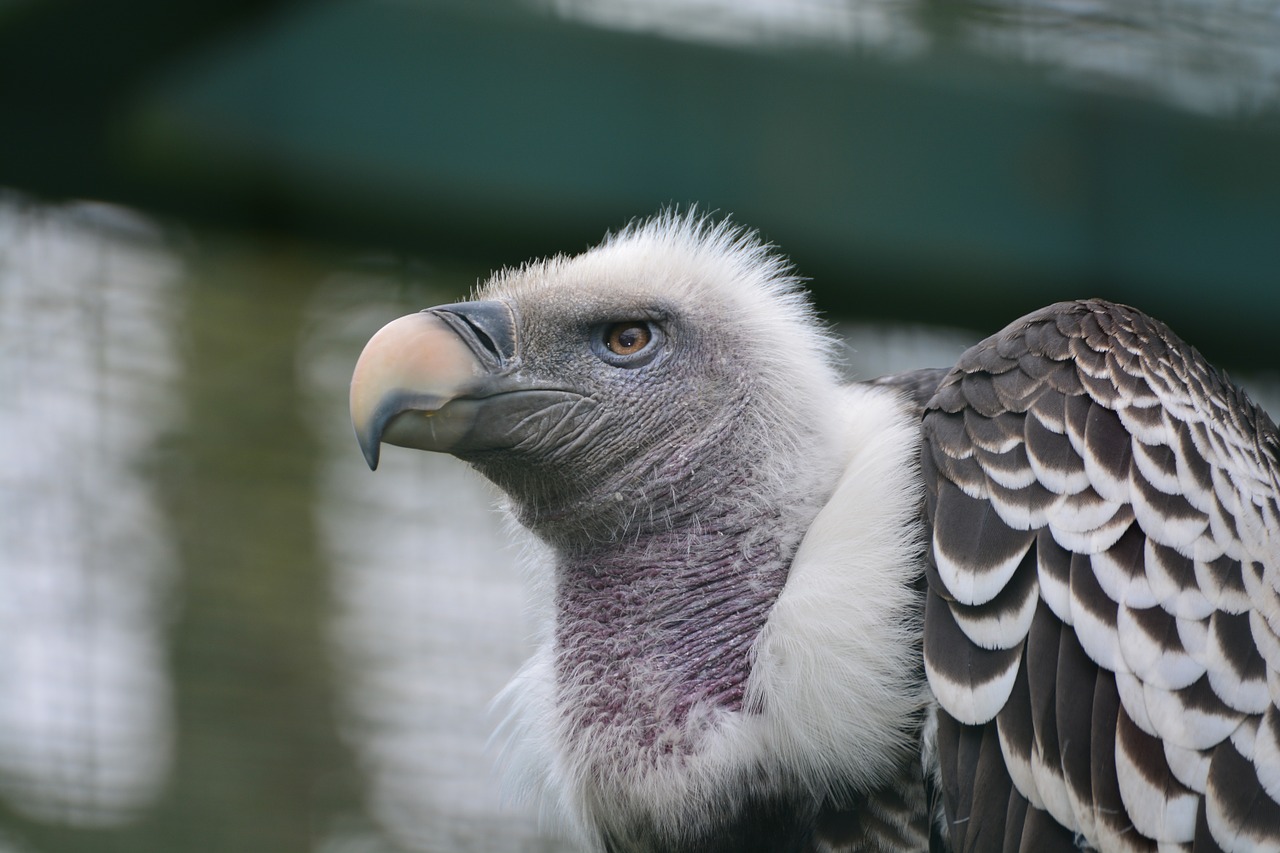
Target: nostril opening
x=487 y=327
x=482 y=337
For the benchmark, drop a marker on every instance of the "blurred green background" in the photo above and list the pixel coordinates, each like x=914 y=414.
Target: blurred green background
x=218 y=631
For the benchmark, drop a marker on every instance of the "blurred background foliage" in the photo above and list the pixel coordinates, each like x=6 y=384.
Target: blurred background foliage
x=218 y=632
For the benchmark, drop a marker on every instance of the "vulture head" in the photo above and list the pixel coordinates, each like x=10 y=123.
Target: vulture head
x=732 y=654
x=617 y=392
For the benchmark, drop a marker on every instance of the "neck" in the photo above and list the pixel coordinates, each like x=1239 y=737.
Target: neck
x=657 y=613
x=655 y=632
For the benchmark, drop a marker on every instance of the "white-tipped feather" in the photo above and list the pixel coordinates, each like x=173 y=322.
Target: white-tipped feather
x=1021 y=516
x=1149 y=659
x=1019 y=767
x=1192 y=728
x=1111 y=488
x=1055 y=591
x=1184 y=602
x=1134 y=702
x=967 y=586
x=1135 y=420
x=1189 y=766
x=1099 y=639
x=1120 y=584
x=1094 y=540
x=1160 y=813
x=1145 y=457
x=1052 y=788
x=972 y=702
x=1230 y=835
x=1266 y=753
x=1002 y=629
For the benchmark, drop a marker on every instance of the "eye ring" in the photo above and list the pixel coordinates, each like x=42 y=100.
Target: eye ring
x=628 y=343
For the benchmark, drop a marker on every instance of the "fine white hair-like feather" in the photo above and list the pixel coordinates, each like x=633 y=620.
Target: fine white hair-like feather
x=836 y=674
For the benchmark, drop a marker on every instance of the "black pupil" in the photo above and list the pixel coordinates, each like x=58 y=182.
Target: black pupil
x=629 y=338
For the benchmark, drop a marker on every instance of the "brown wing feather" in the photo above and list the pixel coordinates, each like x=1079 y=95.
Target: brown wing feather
x=1104 y=591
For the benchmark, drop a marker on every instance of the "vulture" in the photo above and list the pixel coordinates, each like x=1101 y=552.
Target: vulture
x=1027 y=603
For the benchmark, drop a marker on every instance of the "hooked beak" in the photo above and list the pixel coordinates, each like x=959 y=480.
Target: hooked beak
x=424 y=380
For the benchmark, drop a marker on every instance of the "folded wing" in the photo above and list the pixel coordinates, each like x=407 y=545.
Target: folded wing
x=1103 y=619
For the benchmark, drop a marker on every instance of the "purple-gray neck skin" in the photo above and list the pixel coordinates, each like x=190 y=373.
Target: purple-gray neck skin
x=648 y=631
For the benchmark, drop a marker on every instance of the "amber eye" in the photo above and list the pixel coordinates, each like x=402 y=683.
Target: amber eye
x=629 y=343
x=627 y=338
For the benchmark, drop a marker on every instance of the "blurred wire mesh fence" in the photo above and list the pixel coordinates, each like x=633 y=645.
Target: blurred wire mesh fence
x=87 y=566
x=220 y=632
